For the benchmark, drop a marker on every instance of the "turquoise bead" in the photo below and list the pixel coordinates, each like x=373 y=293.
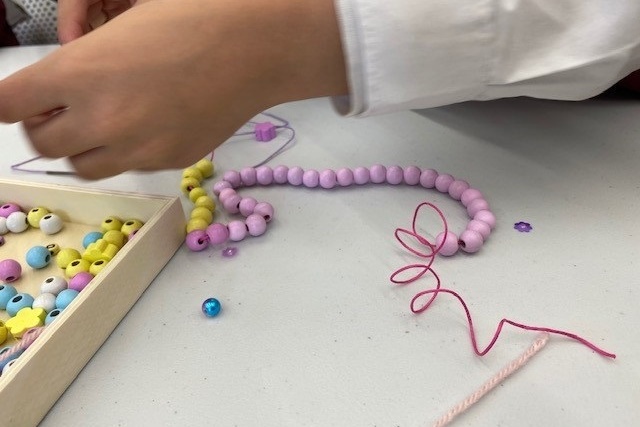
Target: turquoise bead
x=38 y=257
x=18 y=302
x=90 y=238
x=53 y=315
x=6 y=293
x=6 y=361
x=65 y=297
x=211 y=307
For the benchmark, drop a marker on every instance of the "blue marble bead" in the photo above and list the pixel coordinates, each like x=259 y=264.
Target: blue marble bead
x=15 y=355
x=211 y=307
x=65 y=297
x=91 y=237
x=53 y=315
x=38 y=257
x=6 y=293
x=18 y=302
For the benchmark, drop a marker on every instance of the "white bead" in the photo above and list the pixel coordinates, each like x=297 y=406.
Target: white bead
x=53 y=285
x=45 y=301
x=17 y=222
x=3 y=225
x=51 y=224
x=8 y=366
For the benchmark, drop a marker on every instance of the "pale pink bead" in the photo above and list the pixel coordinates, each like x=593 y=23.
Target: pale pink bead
x=458 y=187
x=265 y=210
x=232 y=204
x=428 y=178
x=219 y=186
x=237 y=230
x=344 y=177
x=412 y=175
x=470 y=241
x=443 y=181
x=470 y=195
x=486 y=216
x=311 y=178
x=294 y=176
x=264 y=175
x=256 y=225
x=248 y=176
x=328 y=178
x=450 y=245
x=378 y=174
x=395 y=175
x=477 y=205
x=218 y=233
x=361 y=175
x=226 y=193
x=479 y=226
x=197 y=240
x=281 y=174
x=247 y=205
x=233 y=177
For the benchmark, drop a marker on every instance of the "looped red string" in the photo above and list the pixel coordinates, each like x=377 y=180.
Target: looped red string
x=423 y=269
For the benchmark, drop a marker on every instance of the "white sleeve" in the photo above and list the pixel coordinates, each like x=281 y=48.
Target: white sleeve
x=408 y=54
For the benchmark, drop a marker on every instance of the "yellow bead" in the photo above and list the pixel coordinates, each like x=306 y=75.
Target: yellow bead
x=111 y=223
x=193 y=172
x=100 y=250
x=65 y=256
x=203 y=213
x=53 y=249
x=130 y=226
x=115 y=237
x=205 y=166
x=196 y=193
x=196 y=224
x=76 y=266
x=205 y=202
x=24 y=320
x=97 y=266
x=3 y=332
x=35 y=215
x=188 y=184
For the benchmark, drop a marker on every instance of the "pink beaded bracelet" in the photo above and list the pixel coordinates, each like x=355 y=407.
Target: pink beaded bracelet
x=259 y=214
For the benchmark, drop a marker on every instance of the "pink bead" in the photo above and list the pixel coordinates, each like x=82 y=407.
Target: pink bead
x=443 y=181
x=218 y=233
x=80 y=281
x=256 y=225
x=226 y=193
x=9 y=208
x=344 y=177
x=237 y=230
x=481 y=227
x=264 y=175
x=294 y=176
x=10 y=270
x=486 y=216
x=328 y=178
x=458 y=187
x=378 y=174
x=265 y=210
x=477 y=205
x=470 y=195
x=311 y=178
x=412 y=175
x=233 y=178
x=197 y=240
x=247 y=205
x=232 y=204
x=428 y=178
x=361 y=175
x=248 y=176
x=470 y=241
x=280 y=174
x=450 y=246
x=219 y=186
x=395 y=175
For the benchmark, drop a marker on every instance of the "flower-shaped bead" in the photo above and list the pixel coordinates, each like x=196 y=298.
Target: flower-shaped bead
x=100 y=250
x=3 y=332
x=24 y=320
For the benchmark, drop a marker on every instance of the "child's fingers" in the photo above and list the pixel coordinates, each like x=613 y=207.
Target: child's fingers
x=27 y=93
x=72 y=18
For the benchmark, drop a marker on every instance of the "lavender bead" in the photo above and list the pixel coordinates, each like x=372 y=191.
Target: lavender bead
x=264 y=175
x=344 y=177
x=477 y=205
x=233 y=177
x=486 y=216
x=9 y=208
x=328 y=179
x=256 y=225
x=450 y=245
x=81 y=280
x=247 y=205
x=458 y=187
x=480 y=227
x=412 y=175
x=280 y=174
x=428 y=178
x=378 y=174
x=248 y=176
x=265 y=210
x=197 y=240
x=470 y=241
x=294 y=176
x=218 y=233
x=10 y=270
x=219 y=186
x=469 y=195
x=232 y=204
x=361 y=175
x=237 y=230
x=225 y=194
x=395 y=175
x=443 y=181
x=311 y=178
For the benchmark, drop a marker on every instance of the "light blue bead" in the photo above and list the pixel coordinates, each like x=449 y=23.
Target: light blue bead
x=18 y=302
x=9 y=359
x=38 y=257
x=65 y=297
x=53 y=315
x=90 y=238
x=211 y=307
x=6 y=293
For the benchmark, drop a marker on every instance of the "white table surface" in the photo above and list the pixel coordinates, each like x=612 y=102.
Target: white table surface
x=313 y=333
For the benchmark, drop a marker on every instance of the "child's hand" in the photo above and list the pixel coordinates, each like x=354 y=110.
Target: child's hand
x=77 y=17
